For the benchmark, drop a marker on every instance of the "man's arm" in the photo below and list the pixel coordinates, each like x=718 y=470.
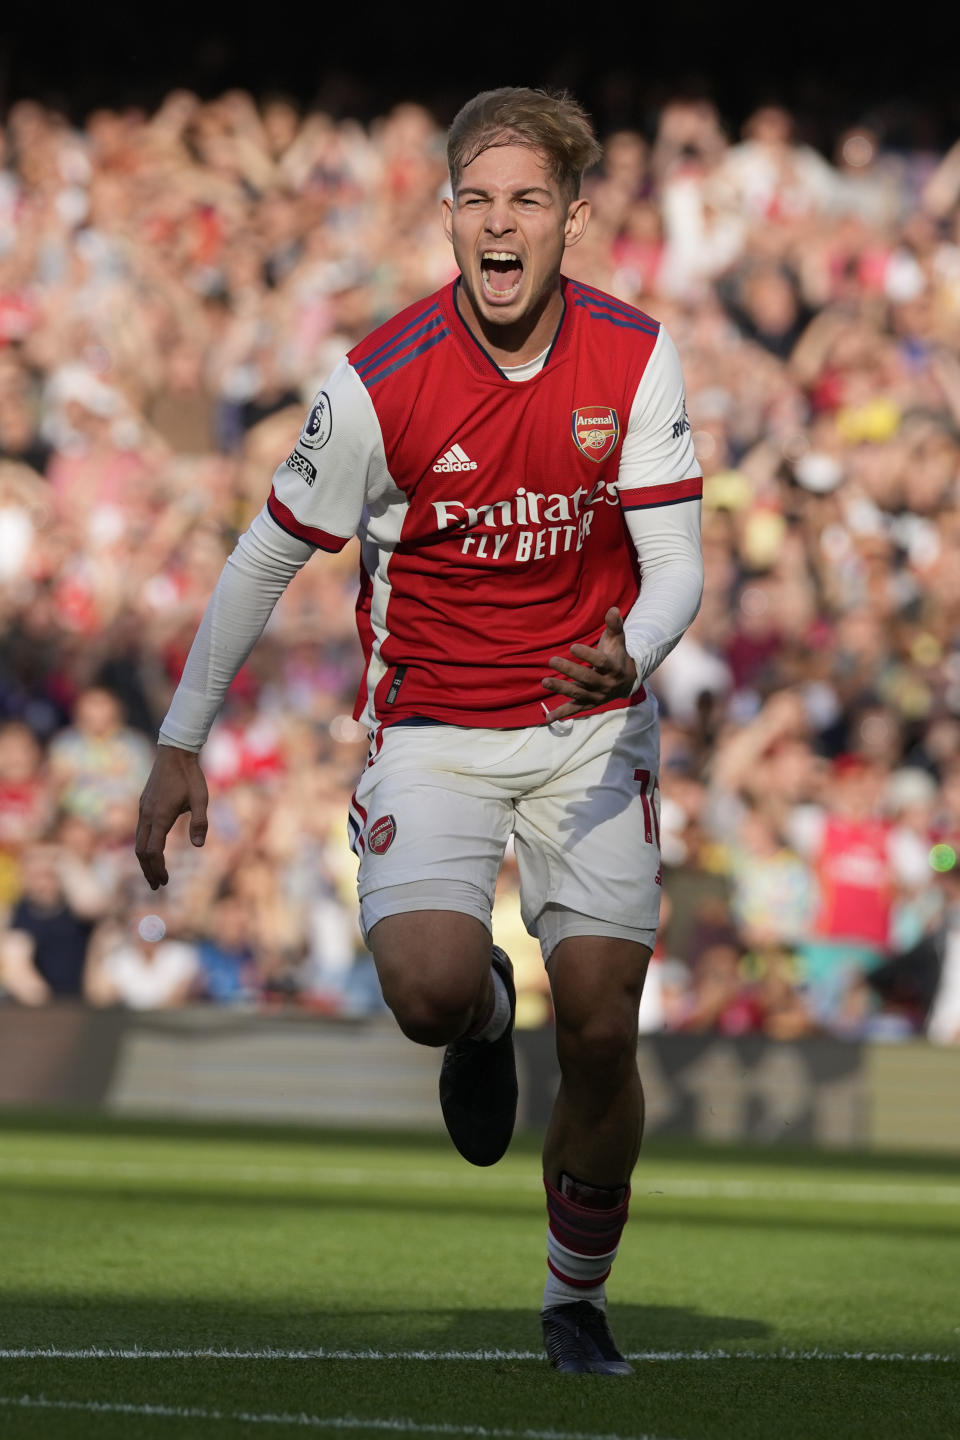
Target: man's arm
x=18 y=973
x=667 y=541
x=315 y=502
x=264 y=562
x=632 y=646
x=261 y=567
x=659 y=485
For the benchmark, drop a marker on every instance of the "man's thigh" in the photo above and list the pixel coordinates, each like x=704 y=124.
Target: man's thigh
x=588 y=838
x=597 y=981
x=431 y=963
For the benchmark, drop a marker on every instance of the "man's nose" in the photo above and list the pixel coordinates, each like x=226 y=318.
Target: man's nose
x=500 y=218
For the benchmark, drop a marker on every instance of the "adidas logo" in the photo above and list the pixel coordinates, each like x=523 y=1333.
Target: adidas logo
x=454 y=459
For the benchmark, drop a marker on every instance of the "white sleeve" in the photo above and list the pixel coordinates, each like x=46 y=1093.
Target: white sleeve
x=261 y=567
x=316 y=501
x=657 y=461
x=659 y=487
x=671 y=582
x=337 y=466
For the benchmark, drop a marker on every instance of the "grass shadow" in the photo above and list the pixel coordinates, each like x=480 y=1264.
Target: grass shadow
x=69 y=1322
x=806 y=1216
x=663 y=1148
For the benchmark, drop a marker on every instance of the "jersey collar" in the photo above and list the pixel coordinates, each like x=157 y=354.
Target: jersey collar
x=478 y=358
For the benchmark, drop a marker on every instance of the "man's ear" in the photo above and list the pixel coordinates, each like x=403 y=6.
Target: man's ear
x=578 y=214
x=446 y=217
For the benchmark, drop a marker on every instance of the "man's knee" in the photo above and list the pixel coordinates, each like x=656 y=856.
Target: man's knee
x=597 y=986
x=601 y=1046
x=434 y=969
x=430 y=1014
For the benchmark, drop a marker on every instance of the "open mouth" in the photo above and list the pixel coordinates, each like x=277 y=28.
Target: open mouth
x=501 y=272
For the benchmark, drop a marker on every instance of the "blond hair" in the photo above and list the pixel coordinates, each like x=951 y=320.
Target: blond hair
x=550 y=121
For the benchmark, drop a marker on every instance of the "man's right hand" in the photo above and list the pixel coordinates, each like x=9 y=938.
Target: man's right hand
x=176 y=786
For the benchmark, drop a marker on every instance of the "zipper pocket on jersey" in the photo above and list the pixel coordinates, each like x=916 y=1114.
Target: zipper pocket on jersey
x=395 y=684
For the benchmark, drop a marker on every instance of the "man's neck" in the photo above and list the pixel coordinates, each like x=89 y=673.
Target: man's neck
x=511 y=345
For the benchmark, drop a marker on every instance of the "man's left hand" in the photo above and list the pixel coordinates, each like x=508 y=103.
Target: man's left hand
x=605 y=673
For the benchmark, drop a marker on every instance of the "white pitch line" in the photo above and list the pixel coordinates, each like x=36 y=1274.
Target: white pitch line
x=847 y=1192
x=305 y=1422
x=212 y=1352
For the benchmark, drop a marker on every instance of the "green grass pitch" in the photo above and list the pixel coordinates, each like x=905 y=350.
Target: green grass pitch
x=170 y=1282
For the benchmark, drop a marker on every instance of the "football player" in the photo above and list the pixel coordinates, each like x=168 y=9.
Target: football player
x=515 y=455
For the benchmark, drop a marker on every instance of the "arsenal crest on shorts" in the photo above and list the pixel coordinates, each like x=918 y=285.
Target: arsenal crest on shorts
x=381 y=833
x=596 y=430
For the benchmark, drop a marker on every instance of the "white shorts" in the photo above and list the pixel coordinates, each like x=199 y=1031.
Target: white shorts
x=437 y=804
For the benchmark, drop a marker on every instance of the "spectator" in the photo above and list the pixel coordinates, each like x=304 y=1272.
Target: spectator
x=25 y=801
x=135 y=964
x=227 y=966
x=97 y=760
x=848 y=842
x=773 y=894
x=943 y=1012
x=44 y=950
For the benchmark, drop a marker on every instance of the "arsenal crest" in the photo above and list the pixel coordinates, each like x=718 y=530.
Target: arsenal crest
x=381 y=833
x=596 y=430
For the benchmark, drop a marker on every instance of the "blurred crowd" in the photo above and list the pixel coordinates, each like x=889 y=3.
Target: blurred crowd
x=175 y=286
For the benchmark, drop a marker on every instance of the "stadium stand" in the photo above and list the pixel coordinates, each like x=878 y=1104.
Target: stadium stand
x=175 y=285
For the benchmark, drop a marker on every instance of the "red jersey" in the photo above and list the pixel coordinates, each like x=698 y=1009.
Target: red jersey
x=490 y=510
x=856 y=881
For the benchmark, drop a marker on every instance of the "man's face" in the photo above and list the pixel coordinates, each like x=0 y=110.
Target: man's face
x=509 y=224
x=97 y=713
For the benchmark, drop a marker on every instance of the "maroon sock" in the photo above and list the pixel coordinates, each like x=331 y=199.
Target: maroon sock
x=585 y=1225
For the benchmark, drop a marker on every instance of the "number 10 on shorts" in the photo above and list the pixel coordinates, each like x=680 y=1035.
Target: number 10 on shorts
x=649 y=785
